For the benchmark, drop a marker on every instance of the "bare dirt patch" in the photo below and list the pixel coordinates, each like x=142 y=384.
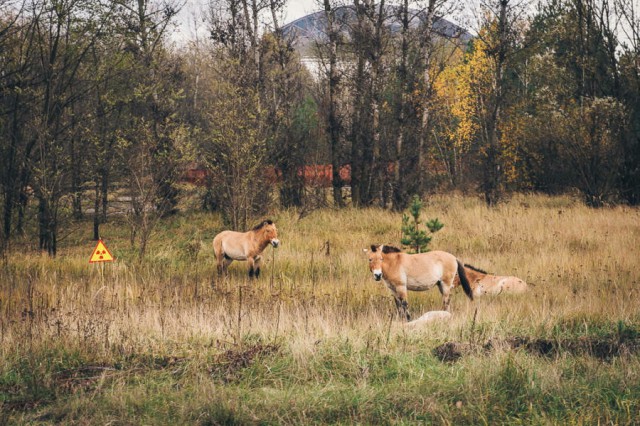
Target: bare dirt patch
x=229 y=364
x=601 y=348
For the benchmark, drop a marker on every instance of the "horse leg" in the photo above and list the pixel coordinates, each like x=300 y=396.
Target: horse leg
x=258 y=264
x=219 y=258
x=398 y=302
x=400 y=297
x=445 y=291
x=251 y=262
x=220 y=264
x=223 y=265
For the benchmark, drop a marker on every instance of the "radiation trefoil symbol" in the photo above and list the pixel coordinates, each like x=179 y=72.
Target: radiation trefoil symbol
x=101 y=254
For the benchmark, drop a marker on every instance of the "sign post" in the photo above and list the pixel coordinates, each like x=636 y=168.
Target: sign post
x=100 y=255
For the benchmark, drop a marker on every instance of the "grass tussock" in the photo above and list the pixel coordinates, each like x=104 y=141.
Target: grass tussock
x=315 y=339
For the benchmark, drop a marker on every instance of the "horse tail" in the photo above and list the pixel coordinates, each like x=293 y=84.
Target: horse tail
x=217 y=247
x=464 y=280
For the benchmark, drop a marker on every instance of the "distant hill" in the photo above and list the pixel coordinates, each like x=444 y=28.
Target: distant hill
x=312 y=28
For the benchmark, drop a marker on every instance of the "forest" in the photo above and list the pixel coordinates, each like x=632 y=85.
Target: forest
x=98 y=102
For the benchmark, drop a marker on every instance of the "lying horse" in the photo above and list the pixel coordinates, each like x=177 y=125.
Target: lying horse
x=230 y=245
x=416 y=272
x=429 y=317
x=483 y=283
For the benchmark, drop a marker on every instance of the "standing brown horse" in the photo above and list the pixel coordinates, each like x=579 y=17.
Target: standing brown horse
x=231 y=245
x=416 y=272
x=484 y=283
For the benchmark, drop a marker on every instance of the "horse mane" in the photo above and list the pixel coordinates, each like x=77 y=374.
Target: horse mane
x=262 y=224
x=473 y=268
x=390 y=249
x=385 y=248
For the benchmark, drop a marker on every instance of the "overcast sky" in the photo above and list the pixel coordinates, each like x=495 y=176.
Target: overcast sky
x=192 y=13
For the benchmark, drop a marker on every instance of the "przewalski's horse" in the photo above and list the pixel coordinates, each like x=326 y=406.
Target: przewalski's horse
x=484 y=283
x=231 y=245
x=416 y=272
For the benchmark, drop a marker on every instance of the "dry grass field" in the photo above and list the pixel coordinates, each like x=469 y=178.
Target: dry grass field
x=315 y=339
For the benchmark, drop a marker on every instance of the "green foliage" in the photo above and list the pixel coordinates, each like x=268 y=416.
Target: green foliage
x=434 y=225
x=413 y=236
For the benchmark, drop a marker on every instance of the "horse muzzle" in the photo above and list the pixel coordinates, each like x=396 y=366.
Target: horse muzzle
x=275 y=242
x=377 y=275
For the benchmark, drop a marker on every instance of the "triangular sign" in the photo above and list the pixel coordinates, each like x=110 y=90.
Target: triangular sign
x=100 y=254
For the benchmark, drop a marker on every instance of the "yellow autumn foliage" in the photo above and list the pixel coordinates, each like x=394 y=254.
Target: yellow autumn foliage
x=464 y=92
x=460 y=90
x=513 y=133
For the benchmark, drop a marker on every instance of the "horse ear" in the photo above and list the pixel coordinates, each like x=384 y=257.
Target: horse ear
x=374 y=248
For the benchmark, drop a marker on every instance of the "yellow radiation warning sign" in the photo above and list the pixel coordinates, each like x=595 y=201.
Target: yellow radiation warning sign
x=101 y=254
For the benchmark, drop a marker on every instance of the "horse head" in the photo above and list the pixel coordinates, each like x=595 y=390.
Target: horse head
x=269 y=232
x=376 y=258
x=375 y=261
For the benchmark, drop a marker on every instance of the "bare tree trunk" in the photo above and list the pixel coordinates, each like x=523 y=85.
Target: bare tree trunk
x=10 y=183
x=375 y=186
x=104 y=179
x=370 y=25
x=76 y=178
x=47 y=224
x=96 y=210
x=399 y=193
x=333 y=125
x=356 y=162
x=251 y=26
x=23 y=199
x=492 y=192
x=427 y=82
x=358 y=146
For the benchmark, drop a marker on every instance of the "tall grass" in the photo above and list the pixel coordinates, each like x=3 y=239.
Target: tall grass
x=315 y=339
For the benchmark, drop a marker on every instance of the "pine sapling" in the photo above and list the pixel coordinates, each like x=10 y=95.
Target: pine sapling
x=413 y=237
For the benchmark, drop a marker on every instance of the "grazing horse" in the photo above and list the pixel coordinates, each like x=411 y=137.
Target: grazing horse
x=231 y=245
x=484 y=283
x=416 y=272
